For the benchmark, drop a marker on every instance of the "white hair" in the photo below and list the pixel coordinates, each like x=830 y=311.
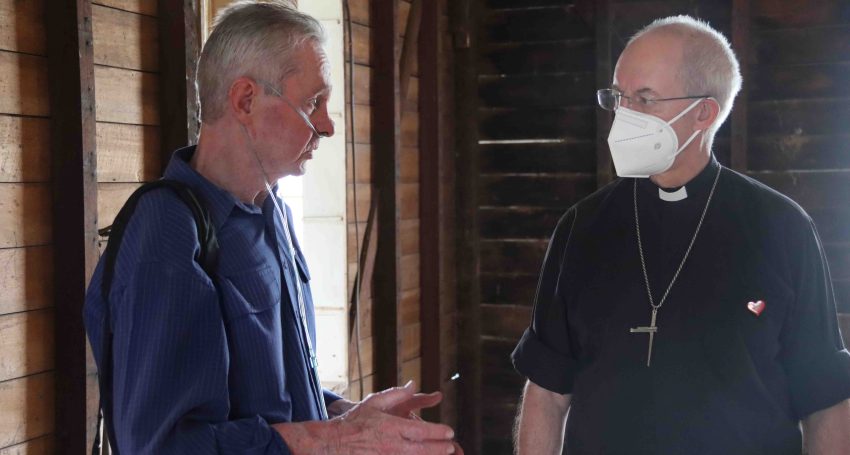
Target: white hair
x=255 y=39
x=709 y=66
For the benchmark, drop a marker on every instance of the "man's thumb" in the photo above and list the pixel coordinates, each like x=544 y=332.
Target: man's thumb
x=386 y=399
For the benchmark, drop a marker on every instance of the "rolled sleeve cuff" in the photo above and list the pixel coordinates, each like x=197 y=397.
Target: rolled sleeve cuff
x=330 y=397
x=542 y=365
x=820 y=383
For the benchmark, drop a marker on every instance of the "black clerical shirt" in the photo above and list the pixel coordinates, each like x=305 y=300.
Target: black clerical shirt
x=723 y=380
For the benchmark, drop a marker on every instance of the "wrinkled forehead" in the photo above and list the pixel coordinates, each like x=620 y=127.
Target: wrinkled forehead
x=314 y=68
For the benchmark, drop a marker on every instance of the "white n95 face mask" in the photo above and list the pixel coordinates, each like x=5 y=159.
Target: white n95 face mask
x=643 y=145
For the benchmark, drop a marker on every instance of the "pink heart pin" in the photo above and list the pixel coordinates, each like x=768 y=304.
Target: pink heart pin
x=756 y=307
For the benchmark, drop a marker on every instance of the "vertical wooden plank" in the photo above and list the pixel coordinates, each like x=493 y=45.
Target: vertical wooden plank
x=179 y=49
x=386 y=147
x=604 y=77
x=741 y=45
x=414 y=19
x=429 y=197
x=464 y=25
x=72 y=105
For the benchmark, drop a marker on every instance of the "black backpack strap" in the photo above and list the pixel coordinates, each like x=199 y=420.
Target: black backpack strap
x=208 y=259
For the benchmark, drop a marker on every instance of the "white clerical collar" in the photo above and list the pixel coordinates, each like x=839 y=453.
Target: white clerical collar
x=673 y=196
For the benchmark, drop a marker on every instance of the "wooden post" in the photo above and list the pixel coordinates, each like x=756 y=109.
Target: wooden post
x=386 y=146
x=411 y=36
x=72 y=134
x=179 y=49
x=741 y=45
x=464 y=27
x=604 y=76
x=429 y=197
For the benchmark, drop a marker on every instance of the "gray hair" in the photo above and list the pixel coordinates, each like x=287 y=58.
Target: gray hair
x=709 y=66
x=255 y=39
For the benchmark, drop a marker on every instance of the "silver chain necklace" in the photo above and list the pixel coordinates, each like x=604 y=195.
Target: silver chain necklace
x=652 y=329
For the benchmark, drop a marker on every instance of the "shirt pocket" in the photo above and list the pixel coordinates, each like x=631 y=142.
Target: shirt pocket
x=252 y=291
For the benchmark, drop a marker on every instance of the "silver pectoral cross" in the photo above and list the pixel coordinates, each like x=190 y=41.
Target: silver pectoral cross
x=651 y=331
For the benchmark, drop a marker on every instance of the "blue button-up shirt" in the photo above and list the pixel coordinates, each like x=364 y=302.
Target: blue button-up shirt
x=200 y=368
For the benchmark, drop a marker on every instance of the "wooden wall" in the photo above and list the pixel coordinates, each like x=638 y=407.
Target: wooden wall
x=539 y=65
x=360 y=178
x=125 y=54
x=27 y=377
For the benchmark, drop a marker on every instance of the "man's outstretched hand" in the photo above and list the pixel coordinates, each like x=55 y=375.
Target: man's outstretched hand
x=383 y=423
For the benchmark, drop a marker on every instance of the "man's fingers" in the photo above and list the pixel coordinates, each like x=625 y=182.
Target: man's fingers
x=415 y=403
x=417 y=430
x=458 y=448
x=388 y=398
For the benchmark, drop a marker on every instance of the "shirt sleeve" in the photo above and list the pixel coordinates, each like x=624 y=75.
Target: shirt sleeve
x=170 y=369
x=543 y=353
x=330 y=397
x=813 y=354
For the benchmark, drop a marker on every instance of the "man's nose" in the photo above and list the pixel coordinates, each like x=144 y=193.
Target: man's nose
x=325 y=125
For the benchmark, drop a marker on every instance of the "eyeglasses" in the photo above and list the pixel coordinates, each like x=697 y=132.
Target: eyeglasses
x=301 y=113
x=609 y=99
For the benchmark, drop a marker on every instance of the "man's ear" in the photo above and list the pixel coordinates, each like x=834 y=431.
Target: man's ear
x=242 y=99
x=707 y=113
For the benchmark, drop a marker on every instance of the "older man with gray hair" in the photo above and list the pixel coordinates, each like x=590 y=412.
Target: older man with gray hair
x=684 y=308
x=211 y=349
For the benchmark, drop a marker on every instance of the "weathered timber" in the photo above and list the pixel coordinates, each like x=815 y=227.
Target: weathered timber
x=128 y=153
x=800 y=46
x=519 y=222
x=24 y=90
x=22 y=26
x=820 y=80
x=180 y=47
x=26 y=409
x=810 y=189
x=511 y=289
x=548 y=123
x=26 y=340
x=124 y=39
x=568 y=156
x=24 y=149
x=429 y=164
x=126 y=96
x=771 y=14
x=545 y=90
x=146 y=7
x=604 y=77
x=799 y=152
x=799 y=117
x=26 y=277
x=505 y=321
x=538 y=24
x=465 y=17
x=498 y=256
x=554 y=191
x=386 y=146
x=72 y=82
x=537 y=57
x=741 y=44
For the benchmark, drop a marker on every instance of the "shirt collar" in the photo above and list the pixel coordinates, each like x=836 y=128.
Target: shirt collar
x=219 y=202
x=696 y=187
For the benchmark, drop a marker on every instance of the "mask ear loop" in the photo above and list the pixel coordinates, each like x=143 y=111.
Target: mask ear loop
x=687 y=109
x=681 y=114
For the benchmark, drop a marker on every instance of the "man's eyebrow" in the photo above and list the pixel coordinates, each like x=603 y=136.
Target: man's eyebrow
x=646 y=90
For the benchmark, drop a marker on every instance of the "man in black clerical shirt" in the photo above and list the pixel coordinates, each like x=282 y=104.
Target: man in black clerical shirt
x=684 y=308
